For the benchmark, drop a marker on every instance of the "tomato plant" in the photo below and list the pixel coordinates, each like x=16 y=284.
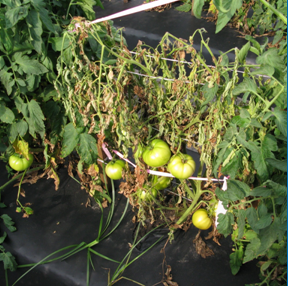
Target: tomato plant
x=181 y=166
x=201 y=219
x=114 y=169
x=20 y=163
x=157 y=153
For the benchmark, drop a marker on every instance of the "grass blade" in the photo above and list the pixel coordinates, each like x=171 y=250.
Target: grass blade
x=103 y=256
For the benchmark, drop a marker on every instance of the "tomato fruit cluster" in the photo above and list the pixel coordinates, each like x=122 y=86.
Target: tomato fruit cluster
x=20 y=163
x=114 y=169
x=201 y=219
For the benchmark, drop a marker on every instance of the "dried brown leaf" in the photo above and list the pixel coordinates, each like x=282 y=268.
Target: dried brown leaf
x=201 y=247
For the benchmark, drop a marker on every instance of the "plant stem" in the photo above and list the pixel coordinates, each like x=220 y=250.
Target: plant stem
x=278 y=13
x=18 y=176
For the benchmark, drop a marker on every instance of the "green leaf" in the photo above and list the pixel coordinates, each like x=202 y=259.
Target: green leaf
x=260 y=153
x=186 y=8
x=237 y=190
x=35 y=30
x=56 y=117
x=22 y=127
x=225 y=223
x=2 y=238
x=233 y=166
x=225 y=12
x=8 y=222
x=8 y=260
x=29 y=66
x=197 y=8
x=239 y=121
x=264 y=70
x=87 y=148
x=70 y=139
x=209 y=93
x=13 y=16
x=44 y=15
x=264 y=221
x=59 y=43
x=260 y=192
x=269 y=235
x=7 y=80
x=6 y=114
x=35 y=119
x=252 y=218
x=271 y=58
x=241 y=222
x=278 y=164
x=278 y=189
x=241 y=56
x=87 y=7
x=236 y=260
x=251 y=250
x=247 y=85
x=281 y=120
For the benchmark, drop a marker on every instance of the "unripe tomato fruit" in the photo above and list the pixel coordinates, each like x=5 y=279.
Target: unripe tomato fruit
x=157 y=153
x=19 y=163
x=201 y=219
x=162 y=183
x=181 y=166
x=114 y=169
x=146 y=195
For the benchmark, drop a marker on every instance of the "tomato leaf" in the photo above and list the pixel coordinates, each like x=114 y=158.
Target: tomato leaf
x=197 y=8
x=271 y=58
x=29 y=66
x=87 y=148
x=6 y=114
x=237 y=190
x=225 y=12
x=260 y=152
x=35 y=119
x=8 y=222
x=14 y=15
x=247 y=85
x=209 y=93
x=241 y=222
x=264 y=70
x=242 y=54
x=8 y=260
x=261 y=192
x=269 y=235
x=236 y=260
x=70 y=139
x=281 y=120
x=225 y=223
x=251 y=249
x=35 y=30
x=278 y=164
x=7 y=80
x=233 y=166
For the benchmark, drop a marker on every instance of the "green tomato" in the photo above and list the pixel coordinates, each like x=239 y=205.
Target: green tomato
x=162 y=183
x=114 y=169
x=181 y=166
x=201 y=219
x=157 y=153
x=146 y=195
x=19 y=163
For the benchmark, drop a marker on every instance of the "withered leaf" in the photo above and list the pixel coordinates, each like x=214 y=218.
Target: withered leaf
x=201 y=247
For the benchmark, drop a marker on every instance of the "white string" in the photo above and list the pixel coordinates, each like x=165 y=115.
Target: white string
x=133 y=10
